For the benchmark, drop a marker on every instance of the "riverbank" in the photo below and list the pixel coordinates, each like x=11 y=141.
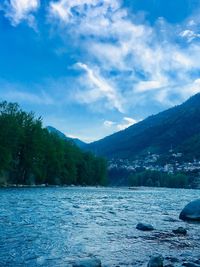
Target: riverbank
x=91 y=186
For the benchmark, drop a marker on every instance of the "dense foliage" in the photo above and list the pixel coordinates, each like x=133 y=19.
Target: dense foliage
x=158 y=179
x=30 y=154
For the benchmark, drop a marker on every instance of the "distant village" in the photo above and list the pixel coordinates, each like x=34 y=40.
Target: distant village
x=151 y=162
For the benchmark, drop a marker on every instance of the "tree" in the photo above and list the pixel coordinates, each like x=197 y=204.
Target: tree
x=29 y=154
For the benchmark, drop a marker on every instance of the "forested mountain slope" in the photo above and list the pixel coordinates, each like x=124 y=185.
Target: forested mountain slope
x=157 y=134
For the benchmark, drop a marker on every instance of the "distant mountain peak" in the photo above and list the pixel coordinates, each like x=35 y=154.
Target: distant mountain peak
x=77 y=141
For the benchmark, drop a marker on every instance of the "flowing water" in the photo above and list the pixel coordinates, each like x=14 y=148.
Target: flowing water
x=55 y=226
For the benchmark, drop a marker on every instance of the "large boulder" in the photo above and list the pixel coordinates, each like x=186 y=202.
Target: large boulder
x=87 y=262
x=144 y=227
x=156 y=261
x=191 y=212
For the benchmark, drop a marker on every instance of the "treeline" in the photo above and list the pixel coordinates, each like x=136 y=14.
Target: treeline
x=158 y=179
x=29 y=154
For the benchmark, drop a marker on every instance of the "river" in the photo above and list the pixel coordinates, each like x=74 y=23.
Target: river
x=55 y=226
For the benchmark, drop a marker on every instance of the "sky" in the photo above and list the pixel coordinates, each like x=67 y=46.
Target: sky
x=93 y=67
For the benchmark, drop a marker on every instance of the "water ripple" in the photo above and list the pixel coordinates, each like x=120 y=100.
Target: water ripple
x=53 y=226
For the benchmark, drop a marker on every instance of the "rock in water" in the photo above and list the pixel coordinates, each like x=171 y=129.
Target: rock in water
x=144 y=227
x=180 y=231
x=191 y=212
x=88 y=262
x=156 y=261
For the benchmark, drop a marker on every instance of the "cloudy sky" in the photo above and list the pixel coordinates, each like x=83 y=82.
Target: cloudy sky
x=93 y=67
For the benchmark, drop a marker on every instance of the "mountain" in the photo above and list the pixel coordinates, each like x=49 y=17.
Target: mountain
x=177 y=128
x=78 y=142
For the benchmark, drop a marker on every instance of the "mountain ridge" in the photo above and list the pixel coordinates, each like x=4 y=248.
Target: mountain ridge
x=157 y=133
x=77 y=141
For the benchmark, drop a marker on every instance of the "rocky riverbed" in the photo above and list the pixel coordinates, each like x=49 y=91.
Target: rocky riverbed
x=60 y=226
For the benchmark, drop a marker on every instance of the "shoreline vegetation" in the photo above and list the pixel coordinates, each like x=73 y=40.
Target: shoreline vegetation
x=159 y=179
x=31 y=155
x=148 y=178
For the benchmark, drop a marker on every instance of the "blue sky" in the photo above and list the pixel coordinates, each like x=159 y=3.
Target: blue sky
x=93 y=67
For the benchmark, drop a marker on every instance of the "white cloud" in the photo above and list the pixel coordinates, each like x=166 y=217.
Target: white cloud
x=118 y=126
x=68 y=11
x=189 y=35
x=127 y=122
x=19 y=10
x=109 y=124
x=63 y=9
x=114 y=43
x=149 y=85
x=99 y=88
x=71 y=136
x=81 y=137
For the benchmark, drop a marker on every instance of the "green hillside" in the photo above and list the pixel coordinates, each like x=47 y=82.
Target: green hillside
x=178 y=127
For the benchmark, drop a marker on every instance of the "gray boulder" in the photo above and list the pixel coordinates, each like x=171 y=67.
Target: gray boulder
x=87 y=262
x=191 y=212
x=156 y=261
x=144 y=227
